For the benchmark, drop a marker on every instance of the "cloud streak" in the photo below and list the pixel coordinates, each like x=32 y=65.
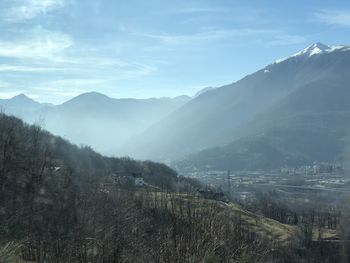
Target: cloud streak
x=71 y=46
x=272 y=37
x=334 y=17
x=20 y=68
x=23 y=10
x=201 y=36
x=38 y=44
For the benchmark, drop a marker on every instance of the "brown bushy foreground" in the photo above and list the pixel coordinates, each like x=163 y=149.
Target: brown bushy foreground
x=62 y=203
x=140 y=227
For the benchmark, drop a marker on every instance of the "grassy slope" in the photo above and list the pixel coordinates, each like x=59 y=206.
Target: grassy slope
x=260 y=225
x=270 y=228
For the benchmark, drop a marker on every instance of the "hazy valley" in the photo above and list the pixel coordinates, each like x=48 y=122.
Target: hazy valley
x=293 y=112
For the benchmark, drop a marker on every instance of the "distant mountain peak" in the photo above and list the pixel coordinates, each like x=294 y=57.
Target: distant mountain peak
x=21 y=96
x=314 y=49
x=92 y=94
x=320 y=46
x=88 y=97
x=19 y=102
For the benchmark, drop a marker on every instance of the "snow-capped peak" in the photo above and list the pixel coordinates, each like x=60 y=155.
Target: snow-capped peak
x=314 y=49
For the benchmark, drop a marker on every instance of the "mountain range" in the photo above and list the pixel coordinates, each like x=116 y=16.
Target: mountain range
x=294 y=111
x=92 y=118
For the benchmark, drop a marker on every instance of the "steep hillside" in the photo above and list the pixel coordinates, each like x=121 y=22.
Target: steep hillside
x=216 y=117
x=311 y=124
x=30 y=156
x=60 y=203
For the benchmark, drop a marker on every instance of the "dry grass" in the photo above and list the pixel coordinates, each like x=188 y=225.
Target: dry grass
x=265 y=227
x=9 y=252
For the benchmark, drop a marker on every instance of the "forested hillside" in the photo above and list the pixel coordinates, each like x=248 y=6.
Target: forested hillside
x=49 y=187
x=63 y=203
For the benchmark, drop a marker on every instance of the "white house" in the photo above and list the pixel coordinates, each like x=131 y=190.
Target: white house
x=139 y=181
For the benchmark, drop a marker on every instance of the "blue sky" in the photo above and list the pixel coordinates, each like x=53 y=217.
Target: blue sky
x=53 y=50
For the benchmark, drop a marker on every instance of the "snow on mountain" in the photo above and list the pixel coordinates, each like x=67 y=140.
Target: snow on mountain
x=314 y=49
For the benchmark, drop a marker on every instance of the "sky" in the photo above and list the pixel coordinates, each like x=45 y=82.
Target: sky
x=53 y=50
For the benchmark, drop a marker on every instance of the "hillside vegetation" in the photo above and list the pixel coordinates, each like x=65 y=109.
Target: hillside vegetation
x=62 y=203
x=59 y=203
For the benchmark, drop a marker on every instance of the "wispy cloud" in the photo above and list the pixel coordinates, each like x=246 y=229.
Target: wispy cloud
x=21 y=68
x=68 y=79
x=39 y=44
x=213 y=34
x=334 y=17
x=22 y=10
x=271 y=37
x=120 y=69
x=49 y=49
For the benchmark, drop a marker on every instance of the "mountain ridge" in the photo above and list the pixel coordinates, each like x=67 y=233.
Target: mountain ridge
x=95 y=119
x=314 y=49
x=286 y=135
x=215 y=118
